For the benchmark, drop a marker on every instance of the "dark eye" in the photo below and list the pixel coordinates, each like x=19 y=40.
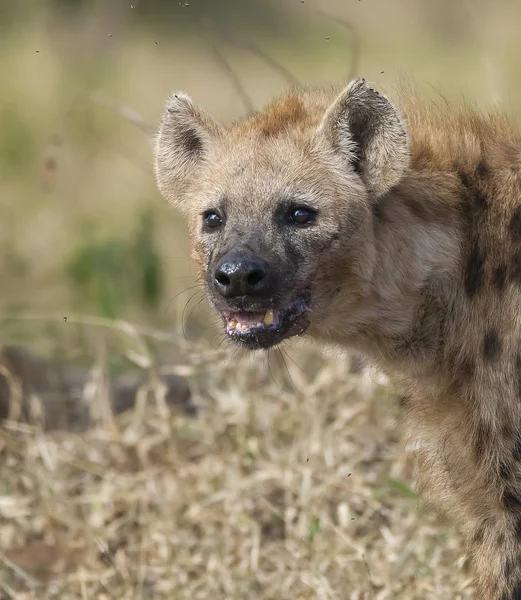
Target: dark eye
x=212 y=220
x=301 y=216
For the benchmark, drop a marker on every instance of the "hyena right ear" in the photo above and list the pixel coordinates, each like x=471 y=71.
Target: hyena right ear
x=184 y=141
x=368 y=131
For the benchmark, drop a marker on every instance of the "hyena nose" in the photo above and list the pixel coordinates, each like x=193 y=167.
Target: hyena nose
x=241 y=275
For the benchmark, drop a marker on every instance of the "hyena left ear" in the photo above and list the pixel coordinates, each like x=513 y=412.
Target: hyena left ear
x=185 y=140
x=364 y=127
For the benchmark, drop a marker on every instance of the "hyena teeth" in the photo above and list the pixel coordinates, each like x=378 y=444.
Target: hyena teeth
x=268 y=317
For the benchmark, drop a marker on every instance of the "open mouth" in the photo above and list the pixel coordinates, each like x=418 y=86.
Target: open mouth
x=263 y=329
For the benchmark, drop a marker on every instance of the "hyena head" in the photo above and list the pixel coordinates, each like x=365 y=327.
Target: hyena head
x=279 y=205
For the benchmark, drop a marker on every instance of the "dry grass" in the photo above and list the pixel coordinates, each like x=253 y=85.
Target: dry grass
x=284 y=487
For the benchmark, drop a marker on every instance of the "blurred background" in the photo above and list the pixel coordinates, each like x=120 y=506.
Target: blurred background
x=95 y=275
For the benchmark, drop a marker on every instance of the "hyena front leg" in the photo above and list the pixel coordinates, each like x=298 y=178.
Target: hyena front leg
x=472 y=471
x=495 y=546
x=493 y=503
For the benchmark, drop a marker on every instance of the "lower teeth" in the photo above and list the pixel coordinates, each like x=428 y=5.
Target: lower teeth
x=234 y=325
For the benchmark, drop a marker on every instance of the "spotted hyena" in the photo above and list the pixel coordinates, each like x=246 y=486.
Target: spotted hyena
x=394 y=232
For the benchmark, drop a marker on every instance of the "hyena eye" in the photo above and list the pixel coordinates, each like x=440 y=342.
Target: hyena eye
x=302 y=216
x=212 y=220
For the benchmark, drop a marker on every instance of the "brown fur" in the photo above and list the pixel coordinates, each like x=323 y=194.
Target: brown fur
x=415 y=260
x=290 y=112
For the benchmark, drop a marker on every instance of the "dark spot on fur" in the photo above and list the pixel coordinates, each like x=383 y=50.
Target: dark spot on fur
x=474 y=270
x=512 y=500
x=475 y=203
x=483 y=439
x=379 y=208
x=507 y=430
x=517 y=366
x=516 y=592
x=464 y=178
x=508 y=567
x=482 y=170
x=425 y=335
x=491 y=345
x=479 y=535
x=467 y=367
x=478 y=202
x=474 y=199
x=517 y=528
x=418 y=209
x=517 y=450
x=504 y=469
x=515 y=225
x=499 y=278
x=462 y=367
x=515 y=267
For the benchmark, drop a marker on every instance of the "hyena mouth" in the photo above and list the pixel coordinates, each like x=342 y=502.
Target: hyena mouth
x=256 y=329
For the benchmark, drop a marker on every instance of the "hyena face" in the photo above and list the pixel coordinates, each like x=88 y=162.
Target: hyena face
x=279 y=205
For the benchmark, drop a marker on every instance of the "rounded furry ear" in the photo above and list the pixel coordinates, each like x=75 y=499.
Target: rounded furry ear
x=369 y=132
x=184 y=140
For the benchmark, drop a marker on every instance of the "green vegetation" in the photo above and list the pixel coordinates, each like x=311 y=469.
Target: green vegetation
x=110 y=274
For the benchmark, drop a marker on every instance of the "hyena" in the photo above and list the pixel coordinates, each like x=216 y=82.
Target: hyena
x=395 y=232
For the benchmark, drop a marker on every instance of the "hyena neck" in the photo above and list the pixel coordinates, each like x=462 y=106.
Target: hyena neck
x=401 y=310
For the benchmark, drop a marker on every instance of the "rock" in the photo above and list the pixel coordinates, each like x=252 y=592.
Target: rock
x=51 y=393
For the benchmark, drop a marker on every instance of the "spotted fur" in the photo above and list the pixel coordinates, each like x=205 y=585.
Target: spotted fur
x=415 y=261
